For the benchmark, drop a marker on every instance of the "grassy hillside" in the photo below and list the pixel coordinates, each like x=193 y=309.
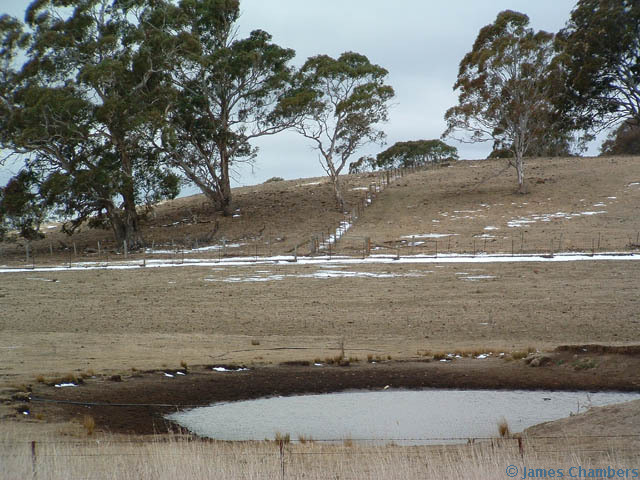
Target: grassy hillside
x=573 y=204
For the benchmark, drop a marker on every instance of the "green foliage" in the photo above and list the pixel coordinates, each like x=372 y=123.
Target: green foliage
x=624 y=140
x=19 y=207
x=341 y=102
x=362 y=165
x=223 y=91
x=274 y=180
x=80 y=108
x=601 y=53
x=508 y=83
x=415 y=153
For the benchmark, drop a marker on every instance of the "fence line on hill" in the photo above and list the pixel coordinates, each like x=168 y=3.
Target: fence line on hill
x=332 y=242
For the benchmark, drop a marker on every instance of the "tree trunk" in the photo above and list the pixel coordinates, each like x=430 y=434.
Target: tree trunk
x=125 y=228
x=522 y=188
x=335 y=179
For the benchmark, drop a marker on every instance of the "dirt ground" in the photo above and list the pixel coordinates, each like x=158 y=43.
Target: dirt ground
x=121 y=322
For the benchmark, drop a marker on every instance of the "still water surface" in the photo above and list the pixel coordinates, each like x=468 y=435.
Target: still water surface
x=406 y=417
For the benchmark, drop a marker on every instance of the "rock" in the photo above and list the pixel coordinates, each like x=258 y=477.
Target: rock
x=540 y=361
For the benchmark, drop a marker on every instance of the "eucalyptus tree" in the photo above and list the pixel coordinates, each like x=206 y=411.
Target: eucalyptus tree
x=601 y=52
x=415 y=153
x=508 y=84
x=226 y=92
x=78 y=109
x=343 y=102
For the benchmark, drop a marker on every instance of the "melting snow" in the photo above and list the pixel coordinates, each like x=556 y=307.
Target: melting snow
x=224 y=369
x=479 y=277
x=430 y=235
x=547 y=217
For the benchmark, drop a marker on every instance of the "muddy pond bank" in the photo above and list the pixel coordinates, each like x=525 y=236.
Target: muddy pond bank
x=136 y=403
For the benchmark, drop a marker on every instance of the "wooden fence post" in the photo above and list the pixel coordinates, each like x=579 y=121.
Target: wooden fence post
x=34 y=460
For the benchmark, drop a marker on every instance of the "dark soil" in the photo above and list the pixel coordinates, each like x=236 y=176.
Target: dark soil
x=137 y=404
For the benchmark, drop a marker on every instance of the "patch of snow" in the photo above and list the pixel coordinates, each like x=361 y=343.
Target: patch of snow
x=593 y=213
x=482 y=356
x=168 y=375
x=317 y=364
x=633 y=184
x=430 y=235
x=489 y=228
x=519 y=222
x=612 y=198
x=224 y=369
x=310 y=184
x=180 y=373
x=479 y=277
x=64 y=385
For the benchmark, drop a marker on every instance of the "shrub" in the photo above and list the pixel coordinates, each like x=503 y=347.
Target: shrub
x=274 y=179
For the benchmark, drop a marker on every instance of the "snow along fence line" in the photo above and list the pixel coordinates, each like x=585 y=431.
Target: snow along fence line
x=492 y=243
x=326 y=260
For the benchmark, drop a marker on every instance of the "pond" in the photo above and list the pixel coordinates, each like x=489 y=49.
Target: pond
x=404 y=417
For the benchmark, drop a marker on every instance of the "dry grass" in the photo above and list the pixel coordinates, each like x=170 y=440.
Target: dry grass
x=185 y=458
x=503 y=428
x=89 y=424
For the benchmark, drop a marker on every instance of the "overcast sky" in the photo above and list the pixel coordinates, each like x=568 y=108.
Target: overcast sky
x=420 y=43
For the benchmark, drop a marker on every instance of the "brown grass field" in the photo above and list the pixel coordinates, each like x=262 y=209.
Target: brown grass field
x=134 y=323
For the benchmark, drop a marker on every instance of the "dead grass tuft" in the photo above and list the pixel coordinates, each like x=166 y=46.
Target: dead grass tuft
x=89 y=424
x=503 y=428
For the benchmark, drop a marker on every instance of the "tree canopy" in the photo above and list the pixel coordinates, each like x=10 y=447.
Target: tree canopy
x=601 y=53
x=507 y=85
x=223 y=91
x=342 y=101
x=415 y=153
x=78 y=109
x=624 y=140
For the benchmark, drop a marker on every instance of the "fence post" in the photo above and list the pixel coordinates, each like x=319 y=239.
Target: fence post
x=124 y=246
x=281 y=446
x=34 y=459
